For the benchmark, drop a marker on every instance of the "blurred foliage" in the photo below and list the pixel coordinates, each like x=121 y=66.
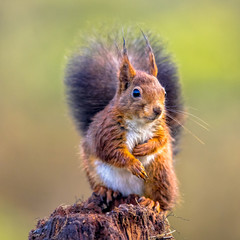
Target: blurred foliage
x=39 y=162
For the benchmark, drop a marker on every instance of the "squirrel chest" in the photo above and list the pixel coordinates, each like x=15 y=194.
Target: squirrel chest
x=139 y=133
x=120 y=179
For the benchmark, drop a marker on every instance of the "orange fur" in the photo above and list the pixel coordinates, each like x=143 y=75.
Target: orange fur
x=153 y=68
x=110 y=130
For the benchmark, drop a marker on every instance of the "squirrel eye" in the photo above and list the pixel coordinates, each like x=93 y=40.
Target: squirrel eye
x=136 y=93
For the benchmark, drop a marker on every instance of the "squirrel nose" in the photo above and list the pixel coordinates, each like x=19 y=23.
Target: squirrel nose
x=157 y=110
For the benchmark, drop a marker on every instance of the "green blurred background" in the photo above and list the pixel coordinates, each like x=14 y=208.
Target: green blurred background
x=39 y=163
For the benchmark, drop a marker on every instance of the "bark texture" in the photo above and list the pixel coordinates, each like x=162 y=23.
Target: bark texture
x=123 y=219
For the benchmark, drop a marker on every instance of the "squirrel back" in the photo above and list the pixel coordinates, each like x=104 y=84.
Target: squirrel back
x=92 y=79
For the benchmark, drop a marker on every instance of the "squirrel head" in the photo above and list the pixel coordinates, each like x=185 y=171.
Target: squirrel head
x=140 y=95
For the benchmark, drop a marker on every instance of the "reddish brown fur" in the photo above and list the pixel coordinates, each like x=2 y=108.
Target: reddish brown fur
x=161 y=185
x=106 y=138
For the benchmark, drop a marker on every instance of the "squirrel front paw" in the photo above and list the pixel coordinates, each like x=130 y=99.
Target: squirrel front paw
x=142 y=150
x=137 y=169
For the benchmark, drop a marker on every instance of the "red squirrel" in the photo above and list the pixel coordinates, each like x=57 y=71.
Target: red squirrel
x=120 y=102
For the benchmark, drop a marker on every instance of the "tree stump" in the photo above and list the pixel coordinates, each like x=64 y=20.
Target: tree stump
x=122 y=219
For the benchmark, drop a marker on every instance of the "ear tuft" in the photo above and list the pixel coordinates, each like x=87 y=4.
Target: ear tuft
x=126 y=71
x=152 y=62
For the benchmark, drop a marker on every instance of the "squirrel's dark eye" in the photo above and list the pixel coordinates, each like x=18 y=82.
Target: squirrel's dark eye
x=136 y=93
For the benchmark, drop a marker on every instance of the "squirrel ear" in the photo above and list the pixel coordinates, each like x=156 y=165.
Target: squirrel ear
x=126 y=71
x=153 y=65
x=152 y=62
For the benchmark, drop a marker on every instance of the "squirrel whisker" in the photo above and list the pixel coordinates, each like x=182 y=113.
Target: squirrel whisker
x=185 y=128
x=191 y=119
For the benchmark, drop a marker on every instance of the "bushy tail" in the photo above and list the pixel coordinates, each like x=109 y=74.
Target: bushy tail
x=91 y=78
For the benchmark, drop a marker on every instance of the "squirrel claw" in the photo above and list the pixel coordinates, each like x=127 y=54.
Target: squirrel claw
x=143 y=175
x=101 y=192
x=157 y=207
x=106 y=194
x=149 y=203
x=138 y=170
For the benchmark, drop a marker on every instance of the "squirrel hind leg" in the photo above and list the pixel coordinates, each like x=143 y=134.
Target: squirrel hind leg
x=106 y=194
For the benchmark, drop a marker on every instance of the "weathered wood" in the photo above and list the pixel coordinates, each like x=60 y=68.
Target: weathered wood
x=93 y=219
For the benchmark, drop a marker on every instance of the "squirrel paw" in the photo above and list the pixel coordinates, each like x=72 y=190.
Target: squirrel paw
x=137 y=169
x=149 y=203
x=106 y=193
x=141 y=150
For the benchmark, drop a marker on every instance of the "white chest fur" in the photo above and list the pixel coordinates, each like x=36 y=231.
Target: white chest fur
x=120 y=179
x=139 y=133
